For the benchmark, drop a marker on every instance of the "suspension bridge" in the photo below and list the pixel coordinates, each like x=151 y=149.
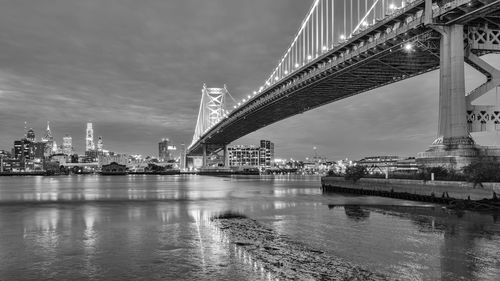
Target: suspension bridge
x=347 y=47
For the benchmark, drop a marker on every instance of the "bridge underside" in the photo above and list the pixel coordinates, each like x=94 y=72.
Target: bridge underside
x=372 y=59
x=391 y=63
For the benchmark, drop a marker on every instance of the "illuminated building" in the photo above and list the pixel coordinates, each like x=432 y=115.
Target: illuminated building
x=266 y=157
x=55 y=149
x=379 y=164
x=165 y=150
x=49 y=141
x=24 y=152
x=18 y=149
x=67 y=146
x=30 y=135
x=89 y=138
x=243 y=155
x=100 y=144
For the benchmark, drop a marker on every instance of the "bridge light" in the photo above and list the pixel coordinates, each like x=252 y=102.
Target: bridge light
x=392 y=7
x=276 y=78
x=342 y=37
x=239 y=103
x=249 y=96
x=324 y=48
x=365 y=23
x=234 y=106
x=244 y=100
x=408 y=47
x=297 y=65
x=286 y=72
x=267 y=83
x=309 y=57
x=254 y=92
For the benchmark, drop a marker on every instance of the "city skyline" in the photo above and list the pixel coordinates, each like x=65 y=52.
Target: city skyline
x=116 y=66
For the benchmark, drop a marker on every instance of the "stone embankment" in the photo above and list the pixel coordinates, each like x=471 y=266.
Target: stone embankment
x=285 y=259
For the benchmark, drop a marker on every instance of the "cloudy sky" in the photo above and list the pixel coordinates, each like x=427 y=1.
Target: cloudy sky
x=136 y=69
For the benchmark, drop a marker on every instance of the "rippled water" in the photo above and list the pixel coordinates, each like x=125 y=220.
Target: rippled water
x=156 y=228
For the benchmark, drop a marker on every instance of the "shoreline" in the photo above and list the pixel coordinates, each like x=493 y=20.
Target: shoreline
x=454 y=195
x=284 y=258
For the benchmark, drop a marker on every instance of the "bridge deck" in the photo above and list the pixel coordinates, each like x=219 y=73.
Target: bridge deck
x=370 y=59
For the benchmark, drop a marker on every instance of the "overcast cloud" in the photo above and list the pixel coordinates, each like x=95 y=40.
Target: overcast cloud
x=136 y=69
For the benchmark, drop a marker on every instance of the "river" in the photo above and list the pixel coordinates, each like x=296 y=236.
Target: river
x=140 y=227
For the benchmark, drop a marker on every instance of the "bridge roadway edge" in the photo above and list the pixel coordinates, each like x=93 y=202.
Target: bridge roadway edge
x=322 y=68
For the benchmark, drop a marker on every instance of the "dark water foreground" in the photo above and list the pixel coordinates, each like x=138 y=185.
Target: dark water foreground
x=157 y=228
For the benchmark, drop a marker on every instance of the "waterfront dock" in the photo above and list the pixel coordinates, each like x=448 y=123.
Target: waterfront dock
x=444 y=192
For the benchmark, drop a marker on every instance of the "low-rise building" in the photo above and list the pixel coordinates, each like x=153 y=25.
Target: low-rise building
x=379 y=164
x=243 y=155
x=407 y=165
x=113 y=169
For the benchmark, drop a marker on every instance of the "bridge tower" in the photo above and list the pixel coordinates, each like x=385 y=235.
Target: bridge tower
x=454 y=147
x=212 y=111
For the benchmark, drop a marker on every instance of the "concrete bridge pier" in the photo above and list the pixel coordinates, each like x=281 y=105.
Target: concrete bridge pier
x=204 y=155
x=214 y=150
x=454 y=147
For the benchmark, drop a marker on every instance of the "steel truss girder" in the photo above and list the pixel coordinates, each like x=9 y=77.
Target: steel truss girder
x=335 y=75
x=483 y=38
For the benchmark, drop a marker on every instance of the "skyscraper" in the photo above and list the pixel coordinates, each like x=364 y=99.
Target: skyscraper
x=23 y=151
x=48 y=134
x=67 y=145
x=48 y=139
x=30 y=135
x=100 y=144
x=163 y=152
x=90 y=138
x=55 y=148
x=39 y=149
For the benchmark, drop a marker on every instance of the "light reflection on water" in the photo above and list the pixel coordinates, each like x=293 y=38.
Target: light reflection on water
x=158 y=227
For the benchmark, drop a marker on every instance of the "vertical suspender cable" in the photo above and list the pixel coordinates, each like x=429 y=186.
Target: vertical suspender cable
x=345 y=18
x=350 y=27
x=322 y=31
x=304 y=33
x=333 y=22
x=327 y=24
x=359 y=12
x=315 y=50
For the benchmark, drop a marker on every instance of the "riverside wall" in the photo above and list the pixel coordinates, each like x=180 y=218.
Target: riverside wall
x=453 y=189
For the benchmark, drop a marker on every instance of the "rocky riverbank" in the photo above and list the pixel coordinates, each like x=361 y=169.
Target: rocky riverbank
x=286 y=259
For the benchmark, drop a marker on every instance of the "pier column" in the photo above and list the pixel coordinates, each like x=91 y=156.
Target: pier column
x=453 y=147
x=452 y=129
x=204 y=159
x=226 y=157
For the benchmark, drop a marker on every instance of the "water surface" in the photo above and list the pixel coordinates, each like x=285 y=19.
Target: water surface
x=155 y=228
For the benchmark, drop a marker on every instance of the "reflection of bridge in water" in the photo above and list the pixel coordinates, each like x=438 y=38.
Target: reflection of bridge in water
x=344 y=48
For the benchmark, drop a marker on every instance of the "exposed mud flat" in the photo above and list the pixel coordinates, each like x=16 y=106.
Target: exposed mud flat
x=286 y=259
